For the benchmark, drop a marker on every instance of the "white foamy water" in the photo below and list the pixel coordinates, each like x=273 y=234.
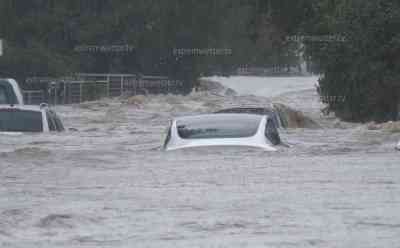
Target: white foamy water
x=109 y=184
x=267 y=86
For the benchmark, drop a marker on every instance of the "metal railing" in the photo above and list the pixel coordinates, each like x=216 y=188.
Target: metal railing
x=33 y=97
x=92 y=86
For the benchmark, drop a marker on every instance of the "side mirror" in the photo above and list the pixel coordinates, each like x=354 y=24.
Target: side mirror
x=43 y=105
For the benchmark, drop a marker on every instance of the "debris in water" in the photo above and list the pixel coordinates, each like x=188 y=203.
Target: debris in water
x=137 y=101
x=393 y=127
x=56 y=221
x=291 y=118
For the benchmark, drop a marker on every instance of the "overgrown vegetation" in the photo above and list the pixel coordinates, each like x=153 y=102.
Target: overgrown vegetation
x=360 y=74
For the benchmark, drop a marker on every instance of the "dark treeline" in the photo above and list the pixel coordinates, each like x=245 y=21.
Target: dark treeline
x=359 y=61
x=46 y=37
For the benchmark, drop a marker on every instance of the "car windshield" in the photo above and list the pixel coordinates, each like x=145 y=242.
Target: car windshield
x=15 y=120
x=218 y=126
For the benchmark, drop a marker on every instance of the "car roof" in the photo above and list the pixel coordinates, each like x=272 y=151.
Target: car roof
x=16 y=96
x=9 y=81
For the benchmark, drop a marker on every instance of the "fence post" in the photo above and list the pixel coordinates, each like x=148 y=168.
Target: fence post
x=65 y=92
x=122 y=84
x=55 y=96
x=80 y=92
x=108 y=85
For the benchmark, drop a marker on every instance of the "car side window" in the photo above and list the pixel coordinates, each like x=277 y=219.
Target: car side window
x=3 y=96
x=16 y=120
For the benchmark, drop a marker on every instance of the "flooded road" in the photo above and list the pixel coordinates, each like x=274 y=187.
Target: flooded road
x=109 y=184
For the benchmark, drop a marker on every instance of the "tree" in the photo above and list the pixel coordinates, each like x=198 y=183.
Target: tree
x=364 y=71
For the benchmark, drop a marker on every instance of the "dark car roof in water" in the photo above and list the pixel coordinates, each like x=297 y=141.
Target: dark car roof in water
x=219 y=118
x=255 y=111
x=248 y=110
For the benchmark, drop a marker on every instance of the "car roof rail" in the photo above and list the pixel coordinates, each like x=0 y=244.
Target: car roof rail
x=43 y=105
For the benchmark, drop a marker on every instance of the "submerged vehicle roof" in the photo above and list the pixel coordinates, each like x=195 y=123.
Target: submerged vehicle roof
x=220 y=130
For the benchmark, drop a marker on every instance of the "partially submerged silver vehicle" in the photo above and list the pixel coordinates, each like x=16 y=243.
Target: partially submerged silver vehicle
x=398 y=146
x=10 y=92
x=28 y=118
x=247 y=130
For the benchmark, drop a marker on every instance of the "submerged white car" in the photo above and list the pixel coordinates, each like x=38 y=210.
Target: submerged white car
x=247 y=130
x=28 y=118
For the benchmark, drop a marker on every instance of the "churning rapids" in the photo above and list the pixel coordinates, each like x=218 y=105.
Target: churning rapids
x=109 y=183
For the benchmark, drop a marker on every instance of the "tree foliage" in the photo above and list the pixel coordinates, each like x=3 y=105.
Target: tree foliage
x=42 y=36
x=364 y=70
